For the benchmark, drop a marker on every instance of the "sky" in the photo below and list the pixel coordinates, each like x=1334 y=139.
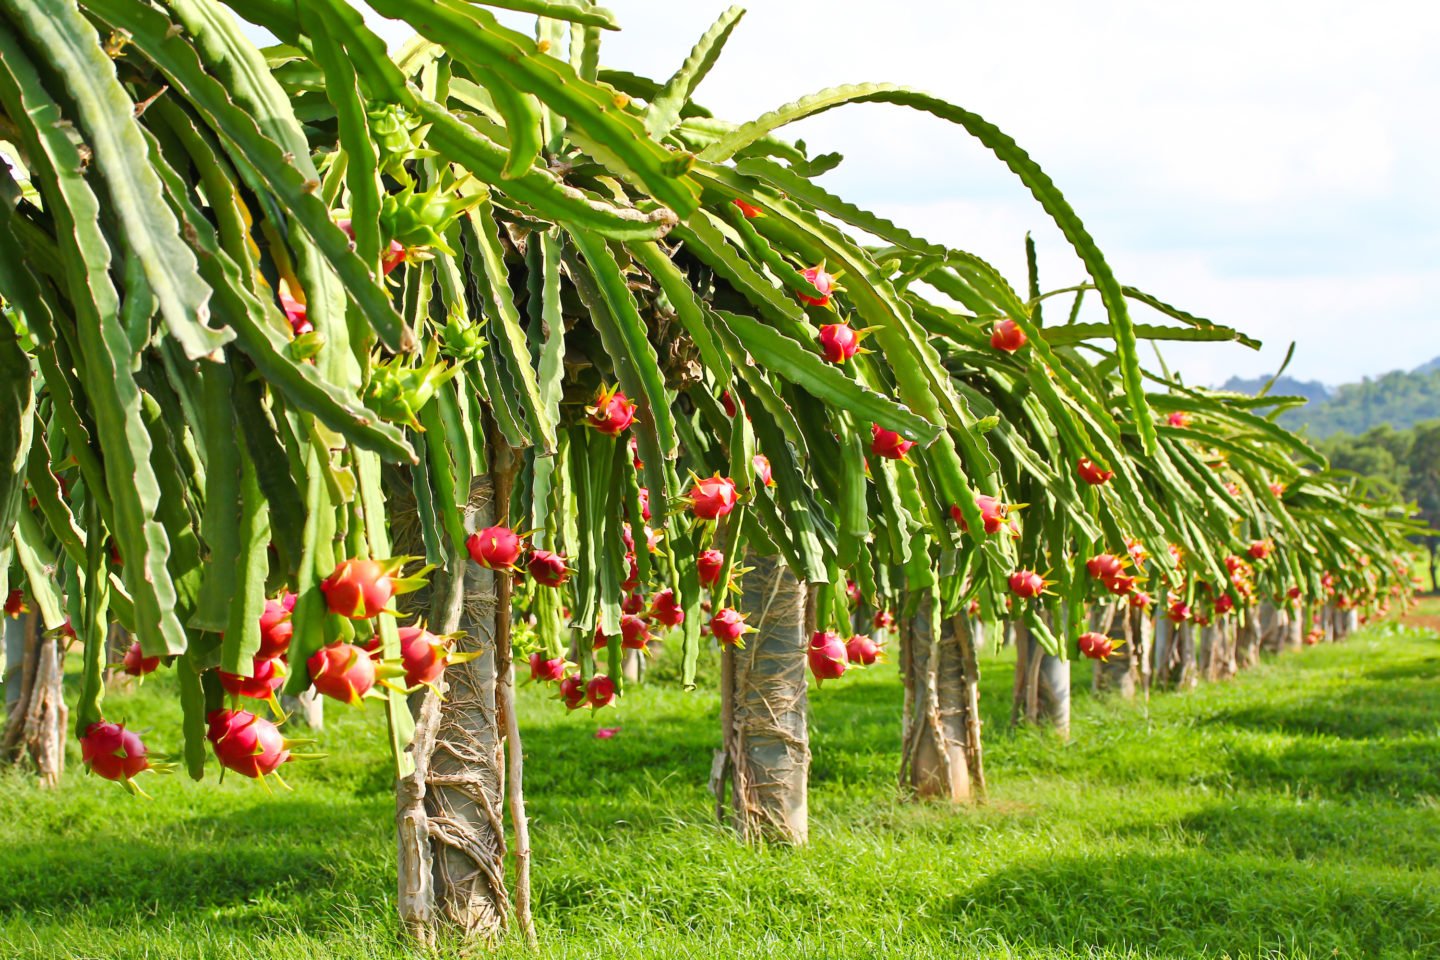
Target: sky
x=1270 y=165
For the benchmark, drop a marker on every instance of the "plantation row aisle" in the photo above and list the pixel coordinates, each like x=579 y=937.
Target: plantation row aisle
x=1294 y=810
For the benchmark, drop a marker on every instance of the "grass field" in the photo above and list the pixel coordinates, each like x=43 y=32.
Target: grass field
x=1293 y=813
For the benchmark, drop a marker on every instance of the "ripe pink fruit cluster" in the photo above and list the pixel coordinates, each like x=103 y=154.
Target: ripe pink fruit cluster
x=575 y=693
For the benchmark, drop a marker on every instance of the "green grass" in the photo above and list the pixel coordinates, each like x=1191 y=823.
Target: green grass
x=1293 y=813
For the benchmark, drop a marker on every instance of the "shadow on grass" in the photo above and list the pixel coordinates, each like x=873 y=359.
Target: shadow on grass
x=1169 y=904
x=208 y=866
x=1318 y=833
x=1363 y=769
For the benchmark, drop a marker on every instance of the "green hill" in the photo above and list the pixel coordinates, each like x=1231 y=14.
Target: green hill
x=1313 y=390
x=1399 y=399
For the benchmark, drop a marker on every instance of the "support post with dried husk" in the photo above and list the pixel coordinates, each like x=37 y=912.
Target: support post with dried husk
x=940 y=740
x=1273 y=625
x=1296 y=627
x=1175 y=664
x=1042 y=683
x=1216 y=648
x=1140 y=638
x=1120 y=672
x=36 y=716
x=765 y=757
x=1247 y=636
x=450 y=812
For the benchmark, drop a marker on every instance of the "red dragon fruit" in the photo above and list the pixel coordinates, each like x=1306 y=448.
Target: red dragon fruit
x=548 y=569
x=361 y=589
x=1096 y=646
x=136 y=664
x=888 y=443
x=343 y=671
x=763 y=473
x=664 y=609
x=114 y=753
x=992 y=512
x=861 y=650
x=709 y=563
x=297 y=314
x=1105 y=565
x=267 y=676
x=251 y=746
x=823 y=283
x=729 y=627
x=1026 y=584
x=838 y=342
x=1007 y=336
x=545 y=669
x=612 y=413
x=495 y=548
x=713 y=497
x=425 y=655
x=600 y=691
x=632 y=579
x=827 y=655
x=572 y=691
x=1119 y=585
x=635 y=632
x=1091 y=473
x=748 y=209
x=276 y=630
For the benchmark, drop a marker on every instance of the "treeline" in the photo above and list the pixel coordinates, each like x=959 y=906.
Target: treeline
x=1391 y=462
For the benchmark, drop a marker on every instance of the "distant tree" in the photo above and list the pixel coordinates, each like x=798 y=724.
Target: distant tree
x=1375 y=462
x=1424 y=484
